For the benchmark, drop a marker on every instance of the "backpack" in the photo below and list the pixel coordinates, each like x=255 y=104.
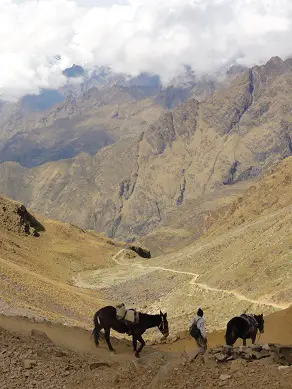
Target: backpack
x=194 y=330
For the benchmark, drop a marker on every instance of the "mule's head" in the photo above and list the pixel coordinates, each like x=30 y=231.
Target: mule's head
x=163 y=326
x=261 y=322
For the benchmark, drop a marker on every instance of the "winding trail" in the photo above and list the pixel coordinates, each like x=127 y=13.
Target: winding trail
x=201 y=286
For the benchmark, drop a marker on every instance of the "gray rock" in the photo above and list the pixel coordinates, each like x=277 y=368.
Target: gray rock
x=256 y=347
x=247 y=356
x=283 y=367
x=283 y=355
x=96 y=365
x=261 y=354
x=28 y=363
x=224 y=377
x=40 y=334
x=220 y=357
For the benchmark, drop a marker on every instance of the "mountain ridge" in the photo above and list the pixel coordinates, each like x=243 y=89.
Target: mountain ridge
x=129 y=188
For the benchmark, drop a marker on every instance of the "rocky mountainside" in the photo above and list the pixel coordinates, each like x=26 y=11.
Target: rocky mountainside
x=131 y=187
x=95 y=111
x=84 y=123
x=241 y=263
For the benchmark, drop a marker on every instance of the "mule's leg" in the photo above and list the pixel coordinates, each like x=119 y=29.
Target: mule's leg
x=95 y=334
x=107 y=332
x=96 y=330
x=244 y=342
x=142 y=344
x=134 y=342
x=253 y=338
x=230 y=337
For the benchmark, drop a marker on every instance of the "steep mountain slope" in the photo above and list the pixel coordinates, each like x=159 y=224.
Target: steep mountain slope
x=243 y=262
x=84 y=123
x=186 y=223
x=101 y=108
x=129 y=188
x=36 y=270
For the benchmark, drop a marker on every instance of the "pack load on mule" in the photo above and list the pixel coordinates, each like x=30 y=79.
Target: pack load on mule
x=244 y=327
x=106 y=318
x=129 y=316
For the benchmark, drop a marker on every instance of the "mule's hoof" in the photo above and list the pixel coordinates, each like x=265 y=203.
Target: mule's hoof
x=113 y=351
x=137 y=355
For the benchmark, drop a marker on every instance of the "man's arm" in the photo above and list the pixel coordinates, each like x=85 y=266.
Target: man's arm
x=201 y=326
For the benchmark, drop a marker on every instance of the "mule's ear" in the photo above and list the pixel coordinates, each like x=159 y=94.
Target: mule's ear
x=161 y=314
x=165 y=315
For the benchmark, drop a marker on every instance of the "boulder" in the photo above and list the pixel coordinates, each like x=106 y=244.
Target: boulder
x=40 y=334
x=28 y=363
x=141 y=251
x=16 y=218
x=220 y=357
x=283 y=367
x=282 y=355
x=260 y=354
x=256 y=347
x=96 y=365
x=224 y=377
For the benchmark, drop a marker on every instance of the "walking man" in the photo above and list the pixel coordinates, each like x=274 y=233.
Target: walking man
x=198 y=332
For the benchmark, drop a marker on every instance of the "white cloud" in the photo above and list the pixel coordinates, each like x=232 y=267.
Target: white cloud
x=131 y=36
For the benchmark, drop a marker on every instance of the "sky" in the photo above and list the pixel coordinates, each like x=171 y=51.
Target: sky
x=40 y=38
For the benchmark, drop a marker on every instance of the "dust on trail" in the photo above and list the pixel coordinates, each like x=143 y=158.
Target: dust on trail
x=71 y=338
x=120 y=260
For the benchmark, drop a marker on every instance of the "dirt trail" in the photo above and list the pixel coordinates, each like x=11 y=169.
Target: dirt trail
x=71 y=338
x=193 y=282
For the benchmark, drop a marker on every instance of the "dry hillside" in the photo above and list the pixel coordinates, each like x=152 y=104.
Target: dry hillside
x=131 y=187
x=51 y=270
x=243 y=262
x=36 y=269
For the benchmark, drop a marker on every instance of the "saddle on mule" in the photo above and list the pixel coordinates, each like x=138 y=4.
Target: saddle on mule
x=129 y=316
x=252 y=323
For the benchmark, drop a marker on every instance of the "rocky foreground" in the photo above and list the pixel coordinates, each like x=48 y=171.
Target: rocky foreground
x=34 y=361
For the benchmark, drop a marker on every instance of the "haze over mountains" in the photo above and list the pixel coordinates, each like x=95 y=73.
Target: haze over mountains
x=100 y=108
x=159 y=161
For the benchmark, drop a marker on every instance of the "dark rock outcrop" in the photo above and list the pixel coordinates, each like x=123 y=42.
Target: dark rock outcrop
x=15 y=217
x=141 y=251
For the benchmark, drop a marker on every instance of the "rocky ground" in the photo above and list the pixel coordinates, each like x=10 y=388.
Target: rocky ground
x=32 y=361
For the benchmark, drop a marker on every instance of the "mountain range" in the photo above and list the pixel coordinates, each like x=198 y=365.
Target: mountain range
x=160 y=166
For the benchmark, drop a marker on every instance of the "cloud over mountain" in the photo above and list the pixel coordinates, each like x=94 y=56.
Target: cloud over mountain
x=39 y=39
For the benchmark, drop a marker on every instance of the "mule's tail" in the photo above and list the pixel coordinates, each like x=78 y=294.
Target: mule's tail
x=230 y=337
x=96 y=330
